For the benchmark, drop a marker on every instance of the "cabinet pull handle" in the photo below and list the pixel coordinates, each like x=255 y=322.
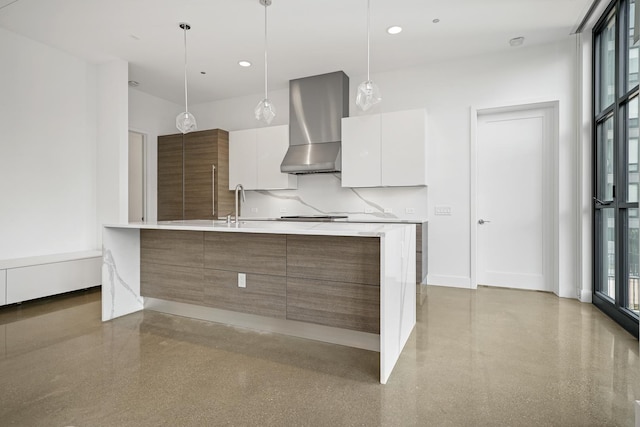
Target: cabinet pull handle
x=213 y=191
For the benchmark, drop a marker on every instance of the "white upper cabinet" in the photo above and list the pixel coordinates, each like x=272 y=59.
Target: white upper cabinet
x=243 y=157
x=404 y=148
x=385 y=150
x=255 y=156
x=361 y=151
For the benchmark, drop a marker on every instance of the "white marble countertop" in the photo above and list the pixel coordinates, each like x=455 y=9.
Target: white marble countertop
x=271 y=227
x=354 y=219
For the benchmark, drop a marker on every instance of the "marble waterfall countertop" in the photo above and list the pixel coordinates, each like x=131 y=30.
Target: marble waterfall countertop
x=123 y=292
x=336 y=228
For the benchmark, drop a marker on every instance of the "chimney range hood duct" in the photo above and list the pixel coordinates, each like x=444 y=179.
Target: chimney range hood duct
x=317 y=105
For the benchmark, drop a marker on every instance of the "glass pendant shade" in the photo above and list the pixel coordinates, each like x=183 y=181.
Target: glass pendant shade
x=265 y=111
x=186 y=122
x=368 y=95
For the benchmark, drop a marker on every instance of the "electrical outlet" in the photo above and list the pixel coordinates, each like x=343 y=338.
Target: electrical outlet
x=409 y=210
x=388 y=210
x=254 y=210
x=283 y=210
x=443 y=210
x=242 y=280
x=367 y=209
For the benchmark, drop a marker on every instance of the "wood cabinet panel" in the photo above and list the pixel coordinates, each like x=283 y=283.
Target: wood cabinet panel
x=246 y=253
x=172 y=247
x=170 y=282
x=185 y=169
x=264 y=295
x=170 y=177
x=200 y=156
x=225 y=199
x=342 y=305
x=335 y=258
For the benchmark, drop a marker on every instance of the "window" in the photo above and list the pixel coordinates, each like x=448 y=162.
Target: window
x=616 y=181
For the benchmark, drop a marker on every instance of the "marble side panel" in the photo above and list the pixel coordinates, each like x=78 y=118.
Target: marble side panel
x=397 y=295
x=120 y=272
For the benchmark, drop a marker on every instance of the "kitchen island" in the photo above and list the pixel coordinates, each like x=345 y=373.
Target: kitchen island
x=344 y=283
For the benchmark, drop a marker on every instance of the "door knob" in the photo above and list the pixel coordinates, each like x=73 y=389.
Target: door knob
x=482 y=221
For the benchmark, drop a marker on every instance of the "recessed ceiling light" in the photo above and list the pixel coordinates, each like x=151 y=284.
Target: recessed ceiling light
x=134 y=36
x=134 y=83
x=244 y=63
x=203 y=72
x=516 y=41
x=394 y=29
x=435 y=21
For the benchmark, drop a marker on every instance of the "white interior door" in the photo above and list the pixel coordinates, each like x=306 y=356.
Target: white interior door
x=513 y=202
x=136 y=177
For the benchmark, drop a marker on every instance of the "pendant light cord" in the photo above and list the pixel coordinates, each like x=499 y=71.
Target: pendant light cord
x=368 y=38
x=186 y=104
x=266 y=66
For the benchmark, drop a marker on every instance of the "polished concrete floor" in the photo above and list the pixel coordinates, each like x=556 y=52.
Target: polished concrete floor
x=479 y=358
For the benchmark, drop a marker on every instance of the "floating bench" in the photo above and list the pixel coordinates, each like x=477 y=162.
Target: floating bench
x=23 y=279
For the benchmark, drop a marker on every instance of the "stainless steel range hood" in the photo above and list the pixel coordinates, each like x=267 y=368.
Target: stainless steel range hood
x=317 y=105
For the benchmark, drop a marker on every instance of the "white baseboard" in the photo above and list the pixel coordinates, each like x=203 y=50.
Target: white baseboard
x=449 y=281
x=586 y=296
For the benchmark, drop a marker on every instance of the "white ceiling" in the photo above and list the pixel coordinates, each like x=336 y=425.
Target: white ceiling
x=306 y=37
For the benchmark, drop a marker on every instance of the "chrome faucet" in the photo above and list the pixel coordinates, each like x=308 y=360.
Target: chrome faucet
x=241 y=188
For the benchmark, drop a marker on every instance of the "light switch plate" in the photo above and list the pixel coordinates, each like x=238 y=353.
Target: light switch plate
x=254 y=210
x=242 y=280
x=409 y=210
x=283 y=210
x=388 y=210
x=443 y=210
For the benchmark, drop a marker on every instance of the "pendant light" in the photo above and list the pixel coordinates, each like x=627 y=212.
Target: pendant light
x=265 y=110
x=185 y=122
x=368 y=93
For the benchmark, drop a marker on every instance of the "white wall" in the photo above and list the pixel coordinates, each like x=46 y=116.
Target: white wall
x=524 y=75
x=47 y=150
x=152 y=116
x=113 y=144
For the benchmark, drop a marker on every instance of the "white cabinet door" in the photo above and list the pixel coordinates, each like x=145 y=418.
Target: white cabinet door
x=255 y=156
x=404 y=148
x=272 y=144
x=361 y=151
x=243 y=167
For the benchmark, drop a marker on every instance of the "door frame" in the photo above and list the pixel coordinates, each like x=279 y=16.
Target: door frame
x=551 y=240
x=145 y=181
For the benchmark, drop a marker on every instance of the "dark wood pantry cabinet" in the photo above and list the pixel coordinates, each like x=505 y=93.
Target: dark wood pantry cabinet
x=193 y=176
